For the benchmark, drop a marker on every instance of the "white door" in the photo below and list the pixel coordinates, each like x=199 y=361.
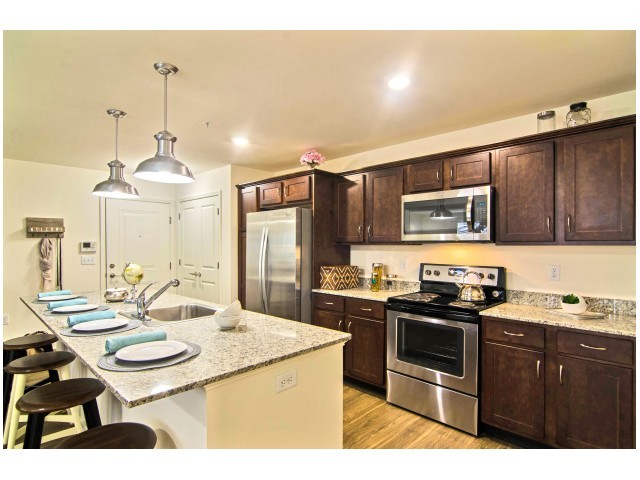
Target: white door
x=138 y=232
x=199 y=255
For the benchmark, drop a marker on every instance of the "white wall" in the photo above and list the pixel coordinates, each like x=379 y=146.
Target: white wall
x=607 y=271
x=41 y=190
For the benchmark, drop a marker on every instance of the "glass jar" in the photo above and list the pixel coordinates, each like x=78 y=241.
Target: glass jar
x=578 y=114
x=546 y=121
x=376 y=276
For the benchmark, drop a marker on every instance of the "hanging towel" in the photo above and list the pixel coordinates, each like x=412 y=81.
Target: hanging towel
x=66 y=303
x=46 y=253
x=89 y=317
x=43 y=295
x=112 y=345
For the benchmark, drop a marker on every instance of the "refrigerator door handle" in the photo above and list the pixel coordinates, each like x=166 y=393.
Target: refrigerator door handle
x=260 y=273
x=263 y=267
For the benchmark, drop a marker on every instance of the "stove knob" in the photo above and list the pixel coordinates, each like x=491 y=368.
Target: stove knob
x=436 y=273
x=495 y=294
x=491 y=276
x=427 y=272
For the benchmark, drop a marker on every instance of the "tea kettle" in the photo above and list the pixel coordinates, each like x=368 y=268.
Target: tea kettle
x=471 y=292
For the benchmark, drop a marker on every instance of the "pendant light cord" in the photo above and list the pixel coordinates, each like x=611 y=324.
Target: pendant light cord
x=117 y=137
x=165 y=102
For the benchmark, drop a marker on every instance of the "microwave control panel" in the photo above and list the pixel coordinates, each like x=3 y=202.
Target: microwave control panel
x=480 y=223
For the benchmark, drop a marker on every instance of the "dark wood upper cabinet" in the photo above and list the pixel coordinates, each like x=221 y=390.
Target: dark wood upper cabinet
x=248 y=199
x=525 y=190
x=384 y=195
x=270 y=194
x=599 y=186
x=423 y=177
x=470 y=170
x=297 y=189
x=349 y=208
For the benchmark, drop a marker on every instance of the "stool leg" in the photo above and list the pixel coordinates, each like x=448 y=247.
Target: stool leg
x=73 y=411
x=53 y=376
x=7 y=380
x=18 y=386
x=33 y=435
x=10 y=408
x=91 y=414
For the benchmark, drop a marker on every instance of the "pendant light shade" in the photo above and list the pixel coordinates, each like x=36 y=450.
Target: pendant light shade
x=164 y=167
x=116 y=186
x=441 y=213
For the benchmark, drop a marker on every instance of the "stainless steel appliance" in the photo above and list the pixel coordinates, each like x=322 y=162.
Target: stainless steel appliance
x=463 y=215
x=278 y=270
x=433 y=347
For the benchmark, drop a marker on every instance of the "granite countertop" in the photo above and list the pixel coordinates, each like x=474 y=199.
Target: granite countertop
x=365 y=293
x=614 y=324
x=262 y=340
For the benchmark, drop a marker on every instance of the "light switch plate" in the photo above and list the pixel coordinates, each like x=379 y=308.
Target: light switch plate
x=87 y=259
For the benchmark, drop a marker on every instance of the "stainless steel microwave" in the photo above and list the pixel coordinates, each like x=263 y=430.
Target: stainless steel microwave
x=463 y=215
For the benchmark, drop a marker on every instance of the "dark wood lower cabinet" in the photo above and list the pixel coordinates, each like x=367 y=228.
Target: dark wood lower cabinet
x=326 y=319
x=513 y=389
x=365 y=352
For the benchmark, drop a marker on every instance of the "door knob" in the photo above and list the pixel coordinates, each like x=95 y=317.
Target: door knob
x=112 y=275
x=112 y=265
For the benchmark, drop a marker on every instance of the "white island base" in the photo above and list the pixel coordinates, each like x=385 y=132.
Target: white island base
x=245 y=411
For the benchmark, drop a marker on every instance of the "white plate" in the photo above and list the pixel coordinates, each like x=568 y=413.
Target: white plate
x=144 y=352
x=56 y=298
x=105 y=324
x=75 y=308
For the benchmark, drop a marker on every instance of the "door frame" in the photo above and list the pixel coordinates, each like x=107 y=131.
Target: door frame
x=103 y=235
x=178 y=249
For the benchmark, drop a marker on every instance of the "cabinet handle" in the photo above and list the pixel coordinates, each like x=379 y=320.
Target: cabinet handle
x=349 y=327
x=286 y=190
x=569 y=223
x=359 y=230
x=328 y=303
x=560 y=374
x=369 y=231
x=451 y=172
x=438 y=175
x=548 y=224
x=538 y=369
x=340 y=325
x=365 y=309
x=514 y=334
x=602 y=349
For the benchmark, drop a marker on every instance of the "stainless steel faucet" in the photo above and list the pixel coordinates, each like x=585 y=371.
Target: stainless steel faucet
x=143 y=304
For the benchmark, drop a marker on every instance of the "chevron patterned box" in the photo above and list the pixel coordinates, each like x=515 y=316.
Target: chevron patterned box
x=338 y=277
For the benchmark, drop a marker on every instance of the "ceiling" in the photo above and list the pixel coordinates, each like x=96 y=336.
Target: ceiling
x=286 y=91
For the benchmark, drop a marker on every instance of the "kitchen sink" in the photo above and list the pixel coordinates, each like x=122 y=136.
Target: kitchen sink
x=189 y=311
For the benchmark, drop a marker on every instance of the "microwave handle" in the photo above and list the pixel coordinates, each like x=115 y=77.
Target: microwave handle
x=468 y=213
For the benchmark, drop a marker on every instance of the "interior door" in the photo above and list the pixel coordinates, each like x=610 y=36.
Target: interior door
x=200 y=237
x=138 y=232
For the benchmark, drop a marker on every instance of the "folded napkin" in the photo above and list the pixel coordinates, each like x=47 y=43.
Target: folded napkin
x=66 y=303
x=231 y=311
x=51 y=294
x=112 y=345
x=88 y=317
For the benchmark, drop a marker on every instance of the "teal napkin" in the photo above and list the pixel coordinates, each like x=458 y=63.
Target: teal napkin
x=88 y=317
x=66 y=303
x=51 y=294
x=112 y=345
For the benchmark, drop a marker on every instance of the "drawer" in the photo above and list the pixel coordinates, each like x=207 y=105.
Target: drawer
x=515 y=333
x=365 y=308
x=617 y=350
x=328 y=302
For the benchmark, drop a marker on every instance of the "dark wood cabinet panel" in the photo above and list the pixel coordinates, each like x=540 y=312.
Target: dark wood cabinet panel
x=384 y=195
x=327 y=319
x=365 y=352
x=328 y=302
x=470 y=170
x=349 y=209
x=365 y=308
x=248 y=200
x=525 y=190
x=595 y=405
x=599 y=186
x=423 y=177
x=513 y=389
x=596 y=347
x=297 y=189
x=517 y=334
x=270 y=194
x=242 y=267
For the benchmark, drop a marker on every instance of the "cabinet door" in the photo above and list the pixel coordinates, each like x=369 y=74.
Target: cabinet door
x=599 y=185
x=513 y=389
x=248 y=198
x=297 y=189
x=384 y=201
x=470 y=170
x=349 y=209
x=594 y=404
x=326 y=319
x=423 y=177
x=365 y=352
x=270 y=194
x=526 y=194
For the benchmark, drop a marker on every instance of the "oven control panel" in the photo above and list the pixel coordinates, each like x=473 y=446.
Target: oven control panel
x=486 y=276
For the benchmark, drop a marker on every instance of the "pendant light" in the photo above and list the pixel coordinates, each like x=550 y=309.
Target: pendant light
x=116 y=186
x=441 y=213
x=164 y=167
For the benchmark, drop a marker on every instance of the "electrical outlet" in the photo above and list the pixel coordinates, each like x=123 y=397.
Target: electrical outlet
x=87 y=259
x=5 y=319
x=554 y=273
x=403 y=266
x=286 y=380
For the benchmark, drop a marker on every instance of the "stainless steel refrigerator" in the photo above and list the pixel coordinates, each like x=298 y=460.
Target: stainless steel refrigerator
x=279 y=263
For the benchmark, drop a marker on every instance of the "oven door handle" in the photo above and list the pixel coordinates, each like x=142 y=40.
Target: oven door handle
x=469 y=210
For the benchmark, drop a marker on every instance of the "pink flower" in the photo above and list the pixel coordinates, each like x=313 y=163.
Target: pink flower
x=312 y=157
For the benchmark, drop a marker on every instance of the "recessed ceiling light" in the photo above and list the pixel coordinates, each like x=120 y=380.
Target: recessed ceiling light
x=399 y=82
x=240 y=141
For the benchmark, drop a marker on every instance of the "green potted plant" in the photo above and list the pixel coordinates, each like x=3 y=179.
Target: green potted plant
x=573 y=304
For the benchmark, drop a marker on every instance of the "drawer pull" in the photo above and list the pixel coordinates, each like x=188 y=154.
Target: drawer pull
x=365 y=309
x=340 y=325
x=602 y=349
x=328 y=303
x=359 y=230
x=548 y=224
x=560 y=374
x=538 y=369
x=513 y=334
x=438 y=175
x=349 y=327
x=451 y=173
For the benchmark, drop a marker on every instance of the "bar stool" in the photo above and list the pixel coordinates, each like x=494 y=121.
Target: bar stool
x=17 y=348
x=19 y=369
x=114 y=435
x=57 y=396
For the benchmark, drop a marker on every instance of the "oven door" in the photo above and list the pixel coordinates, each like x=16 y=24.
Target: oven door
x=443 y=352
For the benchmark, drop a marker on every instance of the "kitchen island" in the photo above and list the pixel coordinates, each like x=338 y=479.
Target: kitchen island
x=226 y=396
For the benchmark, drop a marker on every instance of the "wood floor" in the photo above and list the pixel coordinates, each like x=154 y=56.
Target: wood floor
x=371 y=422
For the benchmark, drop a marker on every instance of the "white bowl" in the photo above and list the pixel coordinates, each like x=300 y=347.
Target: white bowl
x=227 y=323
x=575 y=308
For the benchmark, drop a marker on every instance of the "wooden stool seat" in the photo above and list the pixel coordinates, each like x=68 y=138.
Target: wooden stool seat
x=115 y=435
x=29 y=341
x=60 y=395
x=40 y=362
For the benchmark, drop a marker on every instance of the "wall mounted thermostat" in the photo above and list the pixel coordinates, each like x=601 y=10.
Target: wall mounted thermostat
x=87 y=247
